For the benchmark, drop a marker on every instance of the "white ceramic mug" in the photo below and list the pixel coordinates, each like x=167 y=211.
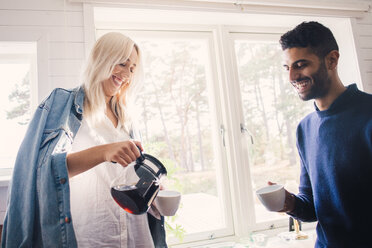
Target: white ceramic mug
x=272 y=197
x=167 y=202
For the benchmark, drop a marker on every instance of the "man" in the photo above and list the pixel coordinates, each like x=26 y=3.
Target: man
x=334 y=142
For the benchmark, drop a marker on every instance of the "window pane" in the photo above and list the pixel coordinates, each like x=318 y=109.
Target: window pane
x=176 y=126
x=15 y=96
x=272 y=110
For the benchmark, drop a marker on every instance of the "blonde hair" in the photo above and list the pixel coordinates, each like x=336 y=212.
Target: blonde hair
x=111 y=49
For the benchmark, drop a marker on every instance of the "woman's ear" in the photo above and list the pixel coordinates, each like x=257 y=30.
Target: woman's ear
x=332 y=59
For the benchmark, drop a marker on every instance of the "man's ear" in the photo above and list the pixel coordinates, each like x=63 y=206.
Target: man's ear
x=332 y=59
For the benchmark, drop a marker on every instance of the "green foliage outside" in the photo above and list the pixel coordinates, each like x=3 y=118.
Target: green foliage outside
x=272 y=108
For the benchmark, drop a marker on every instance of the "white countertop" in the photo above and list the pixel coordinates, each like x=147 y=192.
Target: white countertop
x=5 y=175
x=4 y=181
x=267 y=242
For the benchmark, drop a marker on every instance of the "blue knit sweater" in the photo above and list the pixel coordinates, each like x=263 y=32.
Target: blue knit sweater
x=335 y=148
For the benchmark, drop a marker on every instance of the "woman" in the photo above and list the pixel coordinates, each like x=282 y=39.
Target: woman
x=77 y=134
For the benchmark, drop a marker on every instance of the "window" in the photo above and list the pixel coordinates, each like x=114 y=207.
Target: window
x=219 y=111
x=17 y=75
x=271 y=110
x=178 y=125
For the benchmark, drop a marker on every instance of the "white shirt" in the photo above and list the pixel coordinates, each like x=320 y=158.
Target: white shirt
x=98 y=221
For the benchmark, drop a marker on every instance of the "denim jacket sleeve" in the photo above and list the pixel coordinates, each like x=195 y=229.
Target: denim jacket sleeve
x=38 y=213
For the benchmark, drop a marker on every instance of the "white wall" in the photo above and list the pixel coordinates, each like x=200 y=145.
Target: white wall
x=362 y=29
x=58 y=27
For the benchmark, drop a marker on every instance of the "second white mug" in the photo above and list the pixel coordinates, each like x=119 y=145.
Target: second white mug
x=167 y=202
x=272 y=197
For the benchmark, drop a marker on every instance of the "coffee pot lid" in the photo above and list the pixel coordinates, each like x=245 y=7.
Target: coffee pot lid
x=152 y=164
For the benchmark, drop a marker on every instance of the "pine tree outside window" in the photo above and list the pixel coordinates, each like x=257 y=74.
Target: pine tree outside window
x=17 y=70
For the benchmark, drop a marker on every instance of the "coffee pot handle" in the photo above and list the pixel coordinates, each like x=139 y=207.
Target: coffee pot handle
x=141 y=158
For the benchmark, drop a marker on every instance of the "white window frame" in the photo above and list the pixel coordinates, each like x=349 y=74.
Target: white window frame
x=244 y=136
x=20 y=58
x=215 y=109
x=40 y=85
x=238 y=138
x=229 y=109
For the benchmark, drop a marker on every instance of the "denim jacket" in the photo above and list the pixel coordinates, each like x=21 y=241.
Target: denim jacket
x=38 y=212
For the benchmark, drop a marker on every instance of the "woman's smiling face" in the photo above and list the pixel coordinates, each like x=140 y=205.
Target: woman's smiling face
x=121 y=76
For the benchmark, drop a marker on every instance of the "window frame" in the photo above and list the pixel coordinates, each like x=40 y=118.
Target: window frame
x=38 y=70
x=31 y=59
x=238 y=138
x=214 y=105
x=41 y=87
x=229 y=105
x=245 y=134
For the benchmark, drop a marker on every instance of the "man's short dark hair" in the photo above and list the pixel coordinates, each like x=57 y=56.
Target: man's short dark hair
x=310 y=34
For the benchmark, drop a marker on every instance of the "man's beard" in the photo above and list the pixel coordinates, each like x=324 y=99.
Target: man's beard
x=320 y=84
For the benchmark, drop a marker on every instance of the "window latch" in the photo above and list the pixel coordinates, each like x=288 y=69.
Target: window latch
x=243 y=130
x=222 y=132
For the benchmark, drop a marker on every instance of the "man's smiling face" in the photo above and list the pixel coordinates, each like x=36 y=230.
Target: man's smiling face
x=307 y=73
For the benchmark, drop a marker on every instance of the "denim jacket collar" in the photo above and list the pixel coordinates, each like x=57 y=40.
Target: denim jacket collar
x=79 y=100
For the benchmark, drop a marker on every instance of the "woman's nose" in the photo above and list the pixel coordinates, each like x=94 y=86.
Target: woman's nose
x=125 y=72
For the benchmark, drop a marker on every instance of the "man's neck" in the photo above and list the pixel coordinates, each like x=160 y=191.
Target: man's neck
x=325 y=102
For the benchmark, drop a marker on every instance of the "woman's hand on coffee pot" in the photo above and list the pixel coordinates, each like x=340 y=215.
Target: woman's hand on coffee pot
x=124 y=152
x=121 y=152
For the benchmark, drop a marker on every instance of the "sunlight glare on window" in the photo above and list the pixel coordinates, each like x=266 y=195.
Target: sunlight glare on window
x=176 y=127
x=15 y=96
x=272 y=110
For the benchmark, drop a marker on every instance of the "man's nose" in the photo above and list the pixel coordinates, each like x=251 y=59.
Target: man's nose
x=293 y=75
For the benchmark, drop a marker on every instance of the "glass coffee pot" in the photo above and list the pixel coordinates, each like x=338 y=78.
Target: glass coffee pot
x=136 y=188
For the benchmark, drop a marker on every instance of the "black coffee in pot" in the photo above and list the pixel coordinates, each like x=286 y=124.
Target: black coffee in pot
x=140 y=185
x=133 y=199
